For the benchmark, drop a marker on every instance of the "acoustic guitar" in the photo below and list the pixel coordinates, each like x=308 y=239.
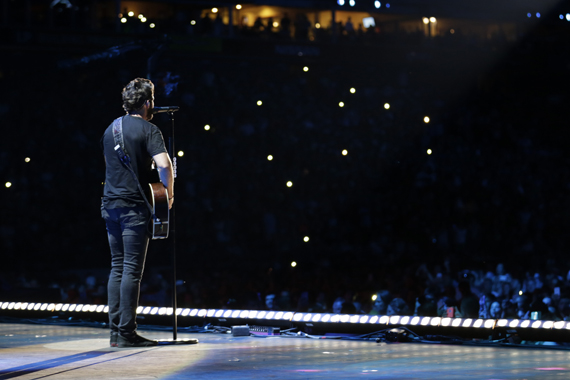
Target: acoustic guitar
x=157 y=196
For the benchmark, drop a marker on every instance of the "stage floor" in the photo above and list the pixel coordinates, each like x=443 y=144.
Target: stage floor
x=30 y=351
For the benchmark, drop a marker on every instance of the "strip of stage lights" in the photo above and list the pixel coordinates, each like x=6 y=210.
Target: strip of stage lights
x=293 y=317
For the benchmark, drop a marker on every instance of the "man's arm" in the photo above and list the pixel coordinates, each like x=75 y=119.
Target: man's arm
x=166 y=173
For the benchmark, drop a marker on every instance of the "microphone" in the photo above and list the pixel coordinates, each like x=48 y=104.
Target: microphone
x=164 y=109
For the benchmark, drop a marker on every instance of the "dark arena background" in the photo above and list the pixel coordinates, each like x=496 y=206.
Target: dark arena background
x=390 y=179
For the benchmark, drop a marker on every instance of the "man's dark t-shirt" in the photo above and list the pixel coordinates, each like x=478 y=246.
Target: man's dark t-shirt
x=142 y=140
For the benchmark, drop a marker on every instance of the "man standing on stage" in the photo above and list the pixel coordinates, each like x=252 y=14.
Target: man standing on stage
x=124 y=209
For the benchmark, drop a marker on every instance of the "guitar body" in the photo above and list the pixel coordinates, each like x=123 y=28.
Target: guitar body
x=159 y=201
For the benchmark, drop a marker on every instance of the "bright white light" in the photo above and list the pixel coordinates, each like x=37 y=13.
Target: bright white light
x=374 y=297
x=514 y=323
x=520 y=292
x=238 y=6
x=154 y=311
x=456 y=322
x=548 y=325
x=394 y=319
x=478 y=323
x=446 y=322
x=141 y=16
x=318 y=26
x=415 y=321
x=467 y=322
x=131 y=14
x=180 y=153
x=307 y=317
x=425 y=20
x=502 y=322
x=275 y=24
x=207 y=127
x=341 y=104
x=202 y=312
x=8 y=184
x=289 y=183
x=567 y=16
x=270 y=315
x=384 y=320
x=306 y=239
x=352 y=90
x=352 y=3
x=387 y=106
x=99 y=309
x=293 y=264
x=316 y=318
x=143 y=19
x=185 y=312
x=425 y=321
x=344 y=152
x=214 y=10
x=44 y=307
x=306 y=68
x=27 y=159
x=536 y=324
x=525 y=324
x=377 y=4
x=269 y=158
x=426 y=119
x=193 y=22
x=429 y=151
x=435 y=321
x=152 y=26
x=432 y=19
x=340 y=2
x=123 y=20
x=259 y=102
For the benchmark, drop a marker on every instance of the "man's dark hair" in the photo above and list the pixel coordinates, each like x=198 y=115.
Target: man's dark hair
x=136 y=93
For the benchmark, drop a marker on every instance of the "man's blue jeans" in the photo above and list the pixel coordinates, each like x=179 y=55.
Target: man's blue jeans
x=128 y=240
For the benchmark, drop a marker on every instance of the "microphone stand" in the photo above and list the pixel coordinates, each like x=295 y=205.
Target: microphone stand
x=172 y=227
x=172 y=235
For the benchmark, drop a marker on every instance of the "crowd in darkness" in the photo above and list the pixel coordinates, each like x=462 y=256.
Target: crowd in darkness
x=475 y=228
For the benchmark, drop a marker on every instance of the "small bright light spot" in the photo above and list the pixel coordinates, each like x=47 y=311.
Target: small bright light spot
x=341 y=104
x=567 y=16
x=520 y=292
x=537 y=14
x=432 y=19
x=306 y=68
x=528 y=15
x=8 y=184
x=293 y=264
x=377 y=4
x=374 y=297
x=344 y=152
x=289 y=183
x=269 y=158
x=425 y=20
x=152 y=25
x=452 y=31
x=238 y=6
x=141 y=16
x=306 y=239
x=131 y=14
x=123 y=20
x=207 y=127
x=193 y=22
x=259 y=102
x=180 y=153
x=426 y=119
x=27 y=159
x=275 y=24
x=318 y=26
x=340 y=2
x=214 y=10
x=352 y=3
x=429 y=151
x=387 y=106
x=352 y=90
x=143 y=19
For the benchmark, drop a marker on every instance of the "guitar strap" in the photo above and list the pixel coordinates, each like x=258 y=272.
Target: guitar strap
x=126 y=160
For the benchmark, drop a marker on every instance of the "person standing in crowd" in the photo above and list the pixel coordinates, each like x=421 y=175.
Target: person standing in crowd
x=124 y=209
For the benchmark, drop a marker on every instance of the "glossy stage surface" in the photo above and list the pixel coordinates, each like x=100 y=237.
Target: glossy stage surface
x=30 y=351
